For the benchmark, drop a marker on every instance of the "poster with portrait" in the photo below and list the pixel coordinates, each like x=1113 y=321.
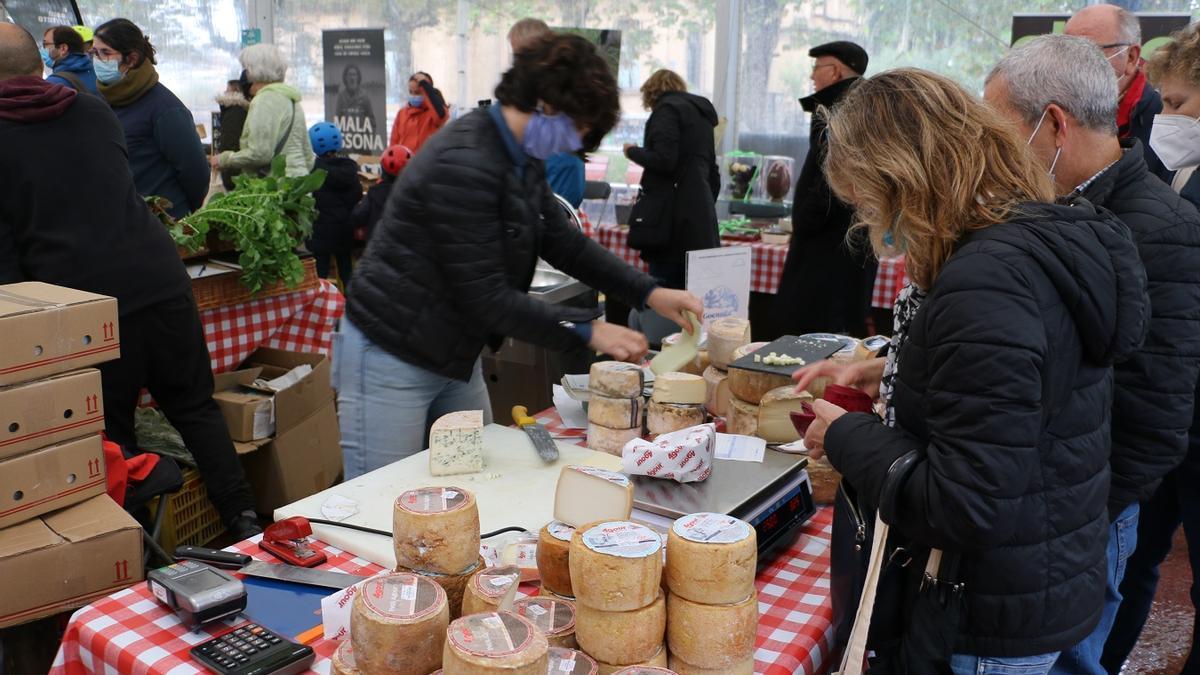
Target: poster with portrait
x=356 y=87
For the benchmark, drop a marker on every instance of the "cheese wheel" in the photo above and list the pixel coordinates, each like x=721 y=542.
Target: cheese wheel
x=553 y=554
x=701 y=363
x=586 y=494
x=751 y=385
x=343 y=662
x=455 y=585
x=436 y=529
x=746 y=667
x=724 y=337
x=605 y=439
x=824 y=480
x=622 y=638
x=712 y=636
x=616 y=413
x=716 y=391
x=682 y=388
x=616 y=566
x=544 y=593
x=555 y=618
x=489 y=588
x=644 y=670
x=663 y=418
x=742 y=418
x=571 y=662
x=615 y=379
x=659 y=661
x=711 y=558
x=398 y=624
x=456 y=443
x=774 y=414
x=494 y=642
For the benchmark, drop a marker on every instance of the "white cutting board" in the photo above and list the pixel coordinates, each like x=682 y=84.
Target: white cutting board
x=515 y=488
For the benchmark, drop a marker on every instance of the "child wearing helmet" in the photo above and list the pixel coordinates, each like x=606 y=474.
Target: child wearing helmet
x=370 y=209
x=333 y=235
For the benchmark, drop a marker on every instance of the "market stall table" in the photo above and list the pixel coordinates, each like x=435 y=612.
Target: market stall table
x=131 y=632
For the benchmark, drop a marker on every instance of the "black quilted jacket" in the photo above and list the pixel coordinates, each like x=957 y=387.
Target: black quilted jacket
x=1005 y=390
x=447 y=269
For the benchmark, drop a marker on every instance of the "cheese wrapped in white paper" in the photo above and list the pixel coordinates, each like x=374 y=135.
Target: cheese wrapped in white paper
x=685 y=456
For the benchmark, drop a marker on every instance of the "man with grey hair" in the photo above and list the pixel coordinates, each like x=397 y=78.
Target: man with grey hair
x=1118 y=33
x=1060 y=93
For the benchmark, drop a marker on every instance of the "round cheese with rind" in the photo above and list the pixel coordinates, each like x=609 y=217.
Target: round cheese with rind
x=711 y=558
x=746 y=667
x=616 y=413
x=616 y=566
x=725 y=335
x=750 y=385
x=547 y=593
x=622 y=638
x=615 y=379
x=659 y=661
x=712 y=636
x=495 y=642
x=684 y=388
x=398 y=624
x=553 y=557
x=436 y=529
x=716 y=391
x=455 y=585
x=555 y=618
x=742 y=418
x=488 y=587
x=664 y=418
x=343 y=662
x=644 y=670
x=774 y=414
x=571 y=662
x=605 y=439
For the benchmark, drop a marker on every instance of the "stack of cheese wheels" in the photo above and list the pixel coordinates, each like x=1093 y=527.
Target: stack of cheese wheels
x=398 y=624
x=645 y=670
x=712 y=605
x=555 y=618
x=742 y=414
x=490 y=589
x=724 y=337
x=436 y=535
x=553 y=556
x=571 y=662
x=677 y=403
x=774 y=414
x=615 y=405
x=620 y=611
x=495 y=642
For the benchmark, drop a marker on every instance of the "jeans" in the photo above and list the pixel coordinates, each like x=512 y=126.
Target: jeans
x=964 y=664
x=1084 y=658
x=386 y=405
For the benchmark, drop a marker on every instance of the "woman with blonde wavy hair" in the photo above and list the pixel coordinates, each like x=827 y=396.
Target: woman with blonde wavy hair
x=994 y=443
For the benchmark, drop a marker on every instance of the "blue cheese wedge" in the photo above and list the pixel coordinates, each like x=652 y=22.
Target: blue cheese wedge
x=456 y=444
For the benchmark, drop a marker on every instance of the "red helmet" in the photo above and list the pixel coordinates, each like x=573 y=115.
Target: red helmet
x=394 y=159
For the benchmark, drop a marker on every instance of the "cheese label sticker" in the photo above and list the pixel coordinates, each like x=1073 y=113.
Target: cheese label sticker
x=491 y=634
x=560 y=530
x=569 y=661
x=345 y=655
x=432 y=500
x=711 y=528
x=610 y=476
x=403 y=596
x=550 y=616
x=622 y=540
x=495 y=581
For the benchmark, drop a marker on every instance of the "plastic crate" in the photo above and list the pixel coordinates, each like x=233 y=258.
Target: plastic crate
x=191 y=518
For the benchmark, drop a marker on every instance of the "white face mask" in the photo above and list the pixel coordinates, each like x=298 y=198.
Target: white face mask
x=1176 y=140
x=1057 y=151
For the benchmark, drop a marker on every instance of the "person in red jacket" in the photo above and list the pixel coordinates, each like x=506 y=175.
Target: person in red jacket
x=421 y=116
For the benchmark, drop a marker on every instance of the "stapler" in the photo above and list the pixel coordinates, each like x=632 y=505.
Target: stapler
x=288 y=541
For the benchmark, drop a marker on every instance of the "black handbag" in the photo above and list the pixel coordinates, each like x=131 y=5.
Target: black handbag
x=849 y=555
x=651 y=222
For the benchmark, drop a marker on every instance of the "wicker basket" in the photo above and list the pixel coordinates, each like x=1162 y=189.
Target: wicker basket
x=191 y=518
x=226 y=290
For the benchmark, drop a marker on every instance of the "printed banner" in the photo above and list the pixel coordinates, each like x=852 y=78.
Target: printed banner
x=720 y=277
x=356 y=87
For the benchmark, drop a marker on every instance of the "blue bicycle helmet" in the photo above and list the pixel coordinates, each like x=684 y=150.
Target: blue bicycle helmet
x=325 y=138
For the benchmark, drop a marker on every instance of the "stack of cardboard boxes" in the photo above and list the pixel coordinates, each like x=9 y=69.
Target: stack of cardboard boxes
x=63 y=542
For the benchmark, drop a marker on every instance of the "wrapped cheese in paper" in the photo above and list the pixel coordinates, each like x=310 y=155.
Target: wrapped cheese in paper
x=685 y=456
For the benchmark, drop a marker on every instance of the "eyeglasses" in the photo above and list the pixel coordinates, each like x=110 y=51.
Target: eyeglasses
x=105 y=54
x=1124 y=48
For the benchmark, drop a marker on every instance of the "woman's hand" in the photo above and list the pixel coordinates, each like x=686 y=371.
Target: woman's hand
x=814 y=440
x=618 y=342
x=671 y=304
x=863 y=376
x=215 y=162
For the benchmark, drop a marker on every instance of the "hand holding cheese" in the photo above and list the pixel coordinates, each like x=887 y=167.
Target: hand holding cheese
x=827 y=413
x=618 y=342
x=673 y=305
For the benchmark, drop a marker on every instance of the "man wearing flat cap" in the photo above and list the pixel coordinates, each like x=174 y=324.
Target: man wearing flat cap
x=826 y=284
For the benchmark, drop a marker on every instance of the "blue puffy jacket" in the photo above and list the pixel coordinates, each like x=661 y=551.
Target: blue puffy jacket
x=79 y=65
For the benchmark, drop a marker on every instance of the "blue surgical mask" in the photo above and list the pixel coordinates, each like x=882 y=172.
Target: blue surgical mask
x=107 y=72
x=46 y=58
x=547 y=135
x=416 y=101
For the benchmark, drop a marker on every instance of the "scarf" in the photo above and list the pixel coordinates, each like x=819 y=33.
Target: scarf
x=907 y=304
x=32 y=99
x=131 y=87
x=1129 y=101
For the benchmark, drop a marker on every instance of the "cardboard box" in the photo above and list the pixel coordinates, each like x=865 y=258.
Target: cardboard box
x=67 y=559
x=298 y=402
x=41 y=413
x=46 y=330
x=51 y=478
x=249 y=413
x=297 y=463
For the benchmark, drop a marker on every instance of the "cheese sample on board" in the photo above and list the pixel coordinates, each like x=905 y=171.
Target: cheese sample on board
x=685 y=456
x=712 y=636
x=616 y=413
x=586 y=494
x=553 y=554
x=436 y=529
x=343 y=662
x=398 y=624
x=495 y=642
x=555 y=618
x=490 y=589
x=746 y=667
x=456 y=443
x=678 y=388
x=716 y=391
x=724 y=336
x=774 y=414
x=663 y=418
x=616 y=566
x=616 y=379
x=455 y=585
x=659 y=661
x=571 y=662
x=622 y=638
x=711 y=558
x=605 y=439
x=742 y=418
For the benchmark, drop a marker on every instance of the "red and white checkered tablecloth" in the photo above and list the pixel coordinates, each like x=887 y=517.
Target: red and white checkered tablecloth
x=889 y=280
x=302 y=321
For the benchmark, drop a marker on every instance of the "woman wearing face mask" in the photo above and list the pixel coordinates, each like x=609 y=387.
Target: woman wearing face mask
x=165 y=153
x=421 y=115
x=447 y=270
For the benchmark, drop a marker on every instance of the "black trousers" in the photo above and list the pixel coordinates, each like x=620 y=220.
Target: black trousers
x=163 y=350
x=344 y=265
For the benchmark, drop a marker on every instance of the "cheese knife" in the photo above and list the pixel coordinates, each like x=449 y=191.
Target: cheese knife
x=542 y=442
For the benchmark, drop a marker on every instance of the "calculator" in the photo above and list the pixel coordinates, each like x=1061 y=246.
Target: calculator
x=251 y=649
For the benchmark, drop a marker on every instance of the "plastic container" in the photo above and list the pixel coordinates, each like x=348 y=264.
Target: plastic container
x=191 y=517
